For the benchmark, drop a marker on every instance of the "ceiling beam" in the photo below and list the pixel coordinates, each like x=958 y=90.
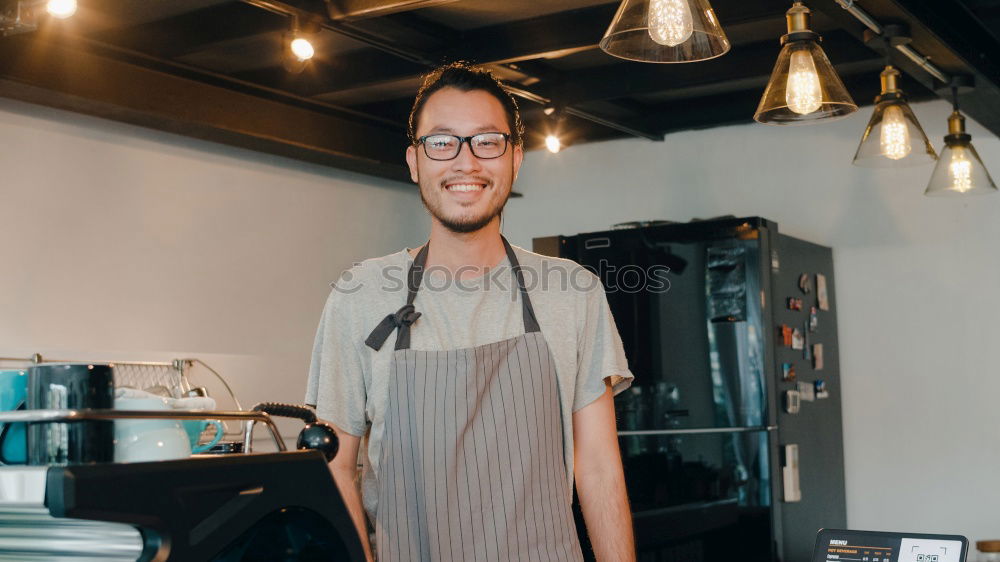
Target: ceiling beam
x=337 y=73
x=749 y=62
x=543 y=37
x=351 y=10
x=58 y=73
x=192 y=31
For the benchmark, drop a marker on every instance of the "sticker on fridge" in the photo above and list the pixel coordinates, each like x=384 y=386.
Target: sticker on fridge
x=818 y=356
x=821 y=296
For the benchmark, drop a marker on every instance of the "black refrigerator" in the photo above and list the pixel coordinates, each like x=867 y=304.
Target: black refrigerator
x=731 y=434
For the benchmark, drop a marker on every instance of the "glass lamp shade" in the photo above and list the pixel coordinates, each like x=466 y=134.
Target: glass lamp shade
x=665 y=31
x=804 y=88
x=960 y=171
x=894 y=138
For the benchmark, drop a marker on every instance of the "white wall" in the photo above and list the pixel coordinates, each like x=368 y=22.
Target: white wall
x=123 y=243
x=918 y=283
x=127 y=244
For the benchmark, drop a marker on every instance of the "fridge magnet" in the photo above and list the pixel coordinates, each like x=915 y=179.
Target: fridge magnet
x=798 y=340
x=820 y=388
x=787 y=372
x=807 y=392
x=792 y=401
x=805 y=283
x=794 y=303
x=818 y=356
x=813 y=319
x=821 y=296
x=785 y=333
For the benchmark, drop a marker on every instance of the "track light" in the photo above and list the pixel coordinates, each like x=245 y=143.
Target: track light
x=894 y=137
x=298 y=49
x=665 y=31
x=554 y=118
x=553 y=143
x=959 y=170
x=302 y=48
x=803 y=87
x=61 y=9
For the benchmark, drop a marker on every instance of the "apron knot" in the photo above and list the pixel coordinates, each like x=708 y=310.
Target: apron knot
x=402 y=319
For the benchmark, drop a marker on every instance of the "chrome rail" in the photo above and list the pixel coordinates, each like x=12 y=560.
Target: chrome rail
x=66 y=416
x=871 y=23
x=699 y=431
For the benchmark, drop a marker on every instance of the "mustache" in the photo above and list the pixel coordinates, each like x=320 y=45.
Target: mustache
x=466 y=179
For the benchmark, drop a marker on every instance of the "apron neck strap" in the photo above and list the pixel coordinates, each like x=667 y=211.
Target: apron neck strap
x=416 y=273
x=527 y=311
x=403 y=318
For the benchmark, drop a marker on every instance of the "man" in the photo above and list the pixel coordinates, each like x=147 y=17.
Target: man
x=481 y=395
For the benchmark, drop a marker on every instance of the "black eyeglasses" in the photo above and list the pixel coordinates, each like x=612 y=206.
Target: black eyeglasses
x=446 y=147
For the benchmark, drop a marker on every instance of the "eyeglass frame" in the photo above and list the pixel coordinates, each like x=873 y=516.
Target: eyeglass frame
x=467 y=141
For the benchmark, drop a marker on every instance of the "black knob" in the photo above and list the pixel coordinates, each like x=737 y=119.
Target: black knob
x=321 y=437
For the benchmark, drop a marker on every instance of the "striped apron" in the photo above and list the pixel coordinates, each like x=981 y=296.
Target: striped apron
x=471 y=466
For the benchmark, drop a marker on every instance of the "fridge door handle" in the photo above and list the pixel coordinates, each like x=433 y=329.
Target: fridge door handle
x=696 y=431
x=595 y=243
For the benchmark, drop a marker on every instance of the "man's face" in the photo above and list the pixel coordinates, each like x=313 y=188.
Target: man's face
x=467 y=193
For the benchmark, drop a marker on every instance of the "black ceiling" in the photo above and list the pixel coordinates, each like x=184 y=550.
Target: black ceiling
x=213 y=68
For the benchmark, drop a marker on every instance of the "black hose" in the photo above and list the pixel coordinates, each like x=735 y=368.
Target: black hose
x=286 y=411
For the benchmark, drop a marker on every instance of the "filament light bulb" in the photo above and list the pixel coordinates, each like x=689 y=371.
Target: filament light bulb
x=670 y=22
x=553 y=143
x=803 y=93
x=960 y=169
x=302 y=49
x=895 y=137
x=61 y=9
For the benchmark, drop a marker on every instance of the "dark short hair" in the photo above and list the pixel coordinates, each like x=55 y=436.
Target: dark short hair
x=466 y=78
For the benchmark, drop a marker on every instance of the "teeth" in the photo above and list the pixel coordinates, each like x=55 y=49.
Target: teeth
x=464 y=187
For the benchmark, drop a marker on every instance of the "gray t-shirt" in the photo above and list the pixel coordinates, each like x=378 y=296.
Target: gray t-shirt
x=348 y=381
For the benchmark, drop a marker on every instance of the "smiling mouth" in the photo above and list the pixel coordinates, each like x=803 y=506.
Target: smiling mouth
x=465 y=186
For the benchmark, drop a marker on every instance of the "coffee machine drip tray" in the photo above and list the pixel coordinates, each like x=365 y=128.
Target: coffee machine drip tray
x=226 y=509
x=29 y=532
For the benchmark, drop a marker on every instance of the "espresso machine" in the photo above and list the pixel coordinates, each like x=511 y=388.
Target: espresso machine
x=238 y=507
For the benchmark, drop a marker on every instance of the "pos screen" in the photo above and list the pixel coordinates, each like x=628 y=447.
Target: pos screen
x=834 y=545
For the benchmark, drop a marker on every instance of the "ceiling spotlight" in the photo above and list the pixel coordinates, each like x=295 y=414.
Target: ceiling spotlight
x=893 y=137
x=553 y=143
x=665 y=31
x=302 y=48
x=803 y=87
x=61 y=9
x=959 y=170
x=298 y=47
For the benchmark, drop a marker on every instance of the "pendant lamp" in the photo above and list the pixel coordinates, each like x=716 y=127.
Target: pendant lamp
x=804 y=87
x=959 y=169
x=894 y=137
x=665 y=31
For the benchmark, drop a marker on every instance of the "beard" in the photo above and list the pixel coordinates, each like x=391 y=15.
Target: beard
x=463 y=224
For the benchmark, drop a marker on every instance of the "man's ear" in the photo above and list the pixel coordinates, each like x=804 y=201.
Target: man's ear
x=518 y=158
x=411 y=161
